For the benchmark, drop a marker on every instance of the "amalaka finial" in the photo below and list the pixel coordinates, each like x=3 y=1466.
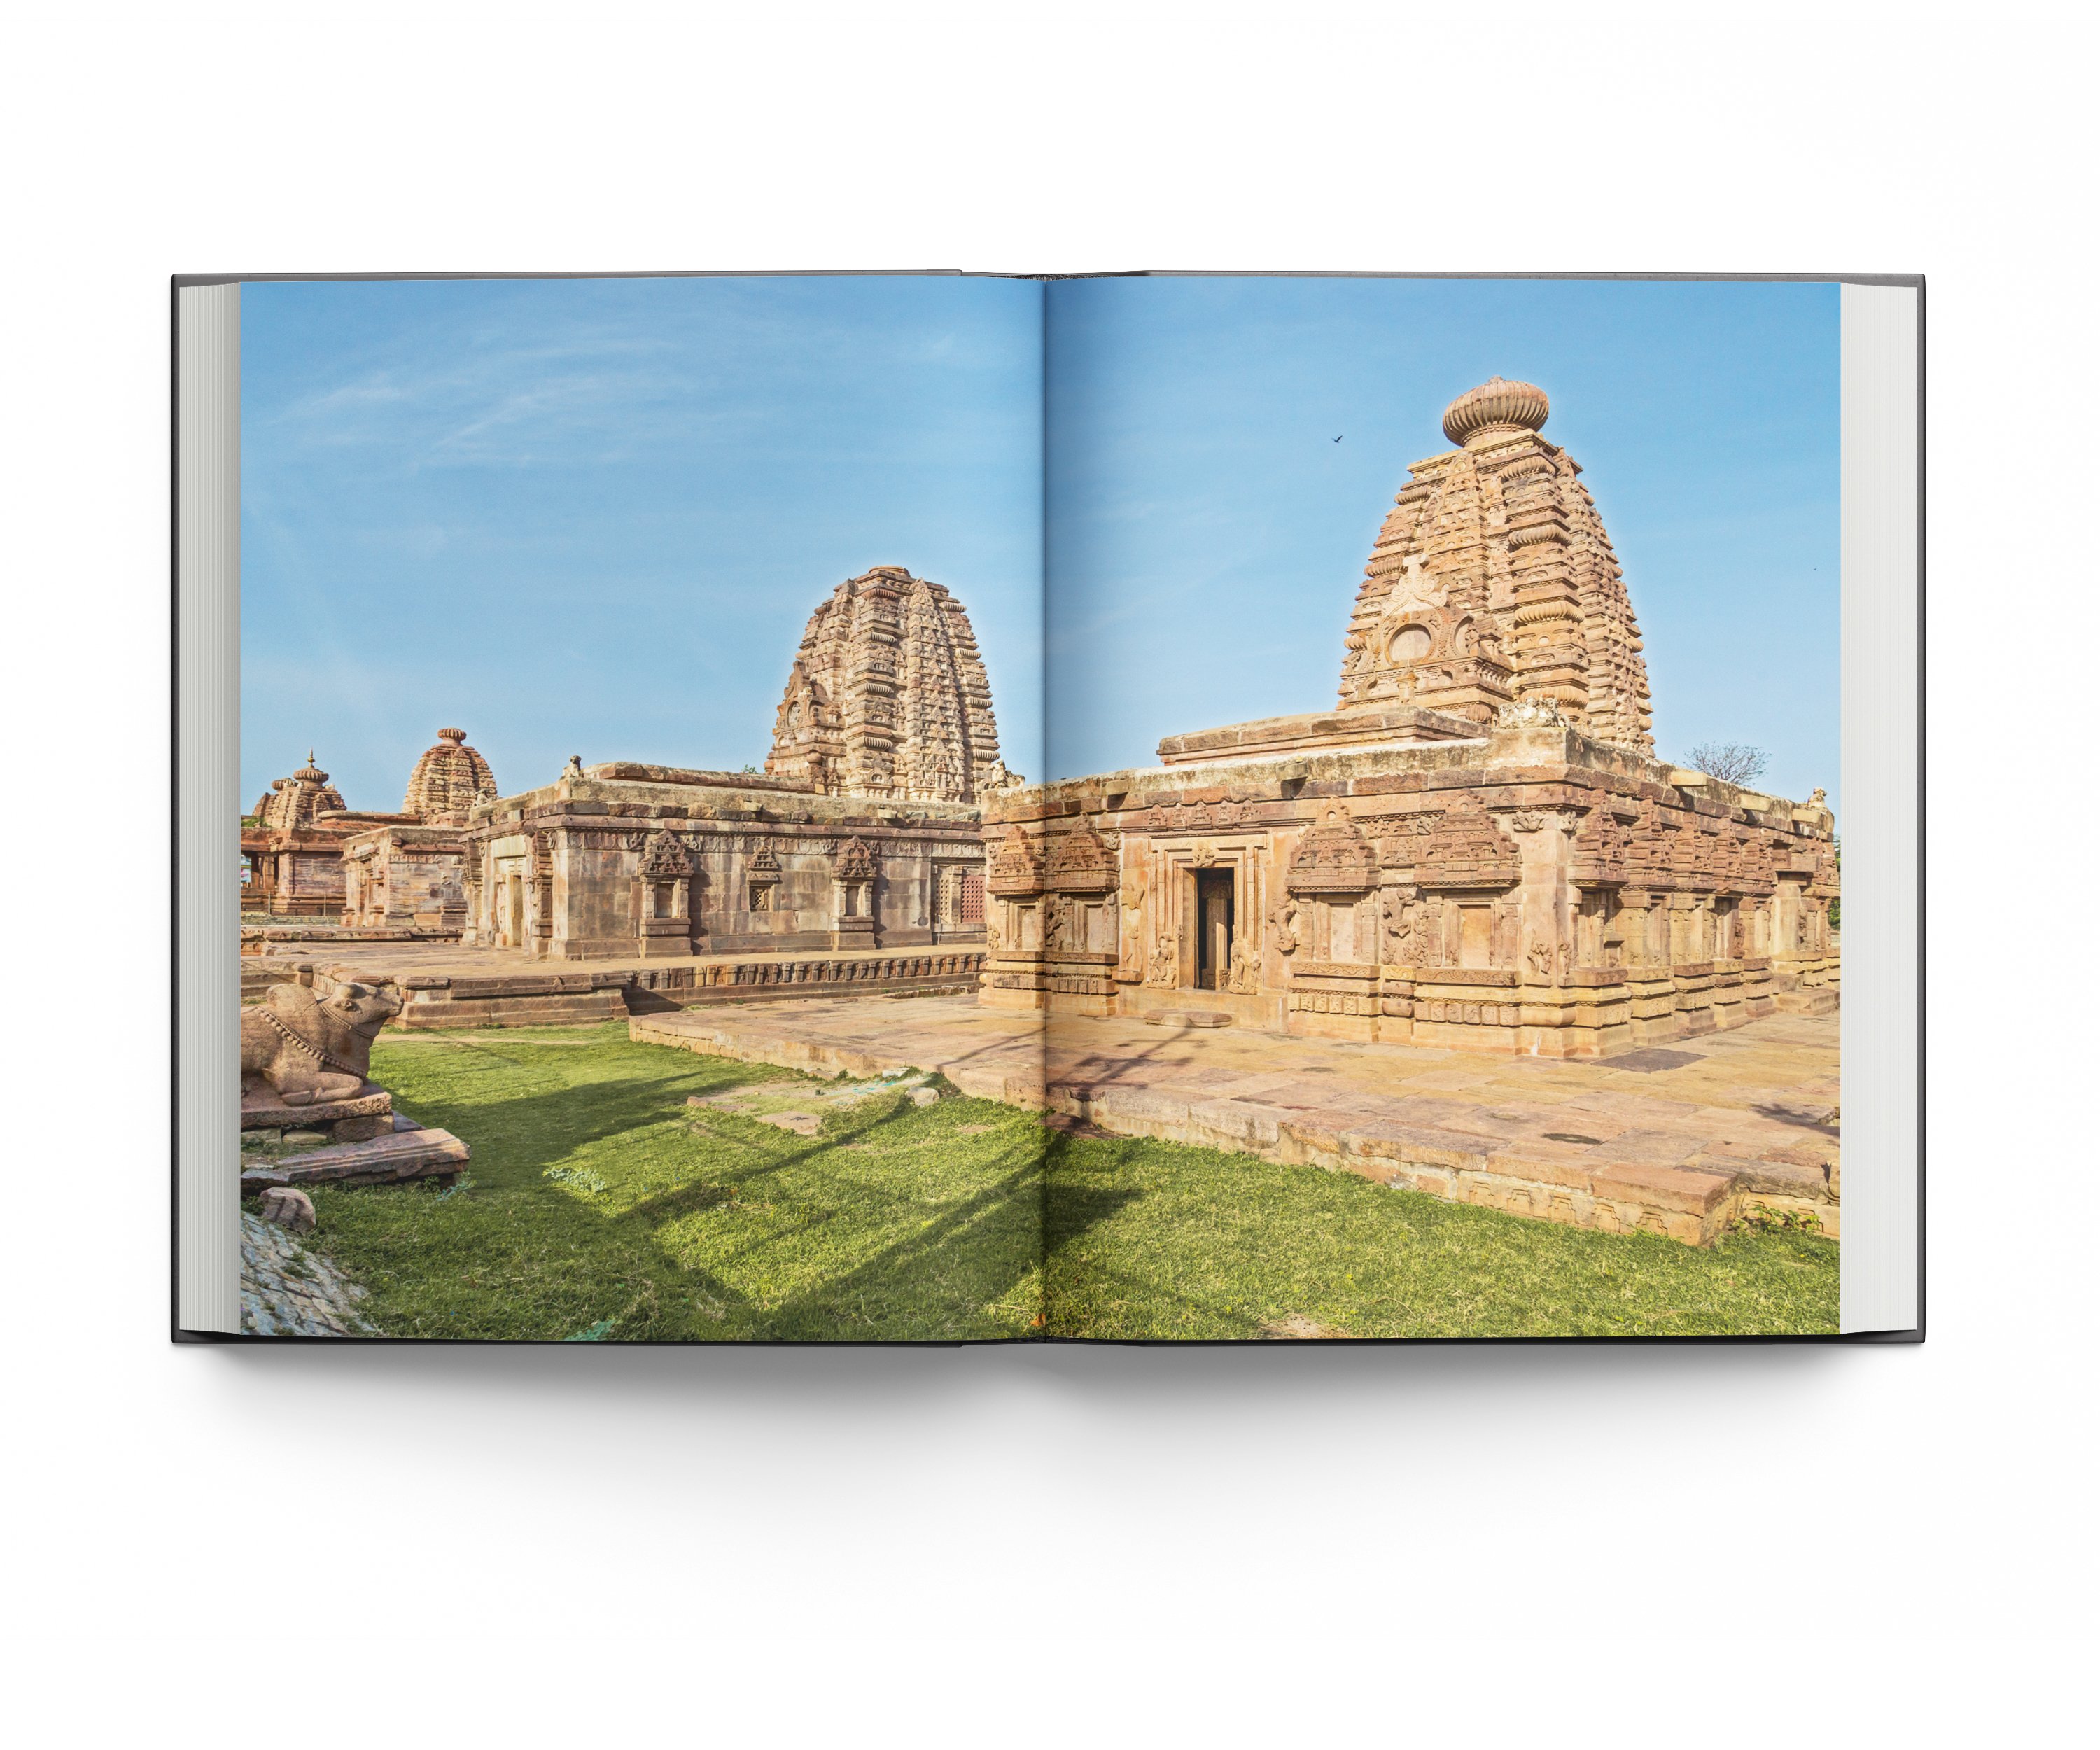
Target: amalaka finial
x=1497 y=408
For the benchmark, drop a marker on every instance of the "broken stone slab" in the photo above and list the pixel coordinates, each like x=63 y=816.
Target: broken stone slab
x=371 y=1100
x=1187 y=1018
x=801 y=1123
x=383 y=1159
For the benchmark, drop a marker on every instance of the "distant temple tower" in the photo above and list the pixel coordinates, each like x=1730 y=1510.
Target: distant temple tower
x=290 y=804
x=447 y=781
x=1493 y=581
x=888 y=697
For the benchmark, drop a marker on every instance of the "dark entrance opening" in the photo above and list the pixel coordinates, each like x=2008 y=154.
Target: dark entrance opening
x=1214 y=927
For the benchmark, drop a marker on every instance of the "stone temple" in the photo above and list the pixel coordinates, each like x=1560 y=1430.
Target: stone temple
x=291 y=848
x=863 y=831
x=1477 y=848
x=305 y=855
x=409 y=869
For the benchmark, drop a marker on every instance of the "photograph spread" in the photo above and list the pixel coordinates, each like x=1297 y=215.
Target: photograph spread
x=933 y=808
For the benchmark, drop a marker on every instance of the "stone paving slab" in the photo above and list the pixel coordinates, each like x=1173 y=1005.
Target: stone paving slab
x=286 y=1290
x=1749 y=1119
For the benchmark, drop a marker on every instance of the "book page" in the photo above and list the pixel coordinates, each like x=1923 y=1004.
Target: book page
x=625 y=665
x=1438 y=873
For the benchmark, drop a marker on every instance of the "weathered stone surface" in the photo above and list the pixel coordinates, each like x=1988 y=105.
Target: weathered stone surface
x=402 y=1154
x=926 y=734
x=286 y=1207
x=287 y=1289
x=362 y=1129
x=260 y=1111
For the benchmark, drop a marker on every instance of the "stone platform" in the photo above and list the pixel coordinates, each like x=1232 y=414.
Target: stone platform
x=278 y=936
x=1678 y=1141
x=445 y=985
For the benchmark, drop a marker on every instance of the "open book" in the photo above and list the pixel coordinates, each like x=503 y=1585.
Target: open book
x=942 y=808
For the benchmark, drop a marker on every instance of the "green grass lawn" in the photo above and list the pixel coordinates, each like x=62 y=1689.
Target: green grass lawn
x=1150 y=1239
x=666 y=1220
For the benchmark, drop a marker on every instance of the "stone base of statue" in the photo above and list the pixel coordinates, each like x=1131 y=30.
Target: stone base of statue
x=368 y=1113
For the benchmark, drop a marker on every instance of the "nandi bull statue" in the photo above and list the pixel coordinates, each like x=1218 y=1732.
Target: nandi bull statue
x=307 y=1050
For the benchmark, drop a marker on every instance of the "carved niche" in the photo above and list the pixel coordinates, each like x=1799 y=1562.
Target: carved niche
x=666 y=858
x=1015 y=869
x=1332 y=858
x=763 y=872
x=856 y=861
x=1598 y=857
x=1081 y=863
x=1465 y=850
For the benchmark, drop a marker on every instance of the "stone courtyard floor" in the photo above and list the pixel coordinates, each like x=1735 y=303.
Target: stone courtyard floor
x=1677 y=1140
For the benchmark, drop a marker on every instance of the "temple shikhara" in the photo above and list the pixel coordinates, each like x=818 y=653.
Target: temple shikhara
x=1476 y=848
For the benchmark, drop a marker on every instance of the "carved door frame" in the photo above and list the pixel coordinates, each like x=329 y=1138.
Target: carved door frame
x=1172 y=886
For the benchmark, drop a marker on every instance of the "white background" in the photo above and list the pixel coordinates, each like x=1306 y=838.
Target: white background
x=1283 y=1545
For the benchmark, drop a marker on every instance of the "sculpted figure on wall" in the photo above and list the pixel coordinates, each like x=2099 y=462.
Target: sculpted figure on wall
x=1136 y=881
x=1285 y=919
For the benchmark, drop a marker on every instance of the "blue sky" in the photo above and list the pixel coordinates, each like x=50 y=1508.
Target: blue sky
x=592 y=516
x=1209 y=534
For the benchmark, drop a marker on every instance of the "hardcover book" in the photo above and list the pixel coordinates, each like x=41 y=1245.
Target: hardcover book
x=966 y=807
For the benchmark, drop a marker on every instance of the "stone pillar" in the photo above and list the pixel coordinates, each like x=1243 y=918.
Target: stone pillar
x=1631 y=925
x=1786 y=915
x=1545 y=894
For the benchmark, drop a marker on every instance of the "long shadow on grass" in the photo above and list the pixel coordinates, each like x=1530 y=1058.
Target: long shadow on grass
x=968 y=1256
x=1071 y=1209
x=536 y=1130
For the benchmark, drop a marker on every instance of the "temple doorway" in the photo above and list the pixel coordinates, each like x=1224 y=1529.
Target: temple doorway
x=1214 y=927
x=513 y=913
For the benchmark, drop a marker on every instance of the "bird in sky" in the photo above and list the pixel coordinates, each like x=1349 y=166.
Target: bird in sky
x=1338 y=440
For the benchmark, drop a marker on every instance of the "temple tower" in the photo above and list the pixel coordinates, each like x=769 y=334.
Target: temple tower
x=447 y=781
x=1493 y=581
x=888 y=696
x=290 y=804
